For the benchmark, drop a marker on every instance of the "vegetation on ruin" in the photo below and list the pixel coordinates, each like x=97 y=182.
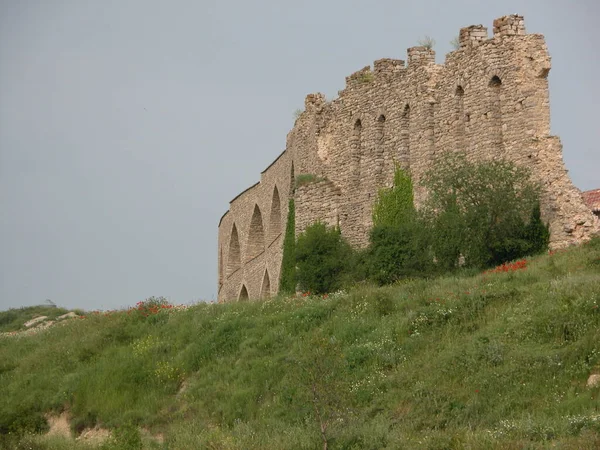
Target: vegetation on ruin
x=498 y=360
x=395 y=206
x=308 y=178
x=366 y=77
x=455 y=42
x=428 y=42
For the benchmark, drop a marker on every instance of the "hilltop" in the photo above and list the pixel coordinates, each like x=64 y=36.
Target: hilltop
x=500 y=360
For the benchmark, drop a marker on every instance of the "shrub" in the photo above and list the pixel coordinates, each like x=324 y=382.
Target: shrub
x=399 y=251
x=321 y=256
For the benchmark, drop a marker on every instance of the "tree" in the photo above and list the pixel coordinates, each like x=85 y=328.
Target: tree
x=287 y=284
x=482 y=211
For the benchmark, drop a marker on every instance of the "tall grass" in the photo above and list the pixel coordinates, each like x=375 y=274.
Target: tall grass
x=496 y=360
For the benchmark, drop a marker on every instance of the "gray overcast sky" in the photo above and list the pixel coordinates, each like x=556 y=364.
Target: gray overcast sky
x=126 y=126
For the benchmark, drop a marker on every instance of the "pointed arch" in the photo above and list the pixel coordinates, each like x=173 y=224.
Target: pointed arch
x=459 y=119
x=265 y=291
x=495 y=113
x=379 y=149
x=256 y=235
x=275 y=216
x=243 y=294
x=234 y=259
x=430 y=133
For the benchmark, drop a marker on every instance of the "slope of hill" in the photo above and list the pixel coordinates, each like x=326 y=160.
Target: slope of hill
x=501 y=360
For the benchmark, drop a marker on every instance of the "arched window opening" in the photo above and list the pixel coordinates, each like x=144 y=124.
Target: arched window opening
x=243 y=294
x=275 y=216
x=256 y=235
x=404 y=157
x=265 y=291
x=379 y=149
x=495 y=114
x=459 y=120
x=495 y=82
x=234 y=260
x=431 y=106
x=380 y=128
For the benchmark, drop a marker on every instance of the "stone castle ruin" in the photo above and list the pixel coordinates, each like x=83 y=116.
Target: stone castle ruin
x=489 y=98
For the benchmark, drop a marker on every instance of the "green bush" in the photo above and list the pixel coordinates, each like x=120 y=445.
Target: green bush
x=399 y=251
x=322 y=257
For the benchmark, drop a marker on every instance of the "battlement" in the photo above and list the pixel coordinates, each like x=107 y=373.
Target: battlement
x=472 y=36
x=388 y=66
x=509 y=25
x=420 y=55
x=359 y=77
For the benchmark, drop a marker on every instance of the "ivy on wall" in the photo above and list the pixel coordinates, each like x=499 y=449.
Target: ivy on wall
x=394 y=206
x=287 y=284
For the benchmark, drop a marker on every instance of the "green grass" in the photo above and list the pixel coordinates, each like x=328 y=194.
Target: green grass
x=490 y=361
x=14 y=319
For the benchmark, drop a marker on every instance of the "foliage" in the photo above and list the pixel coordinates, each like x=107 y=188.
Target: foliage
x=297 y=114
x=536 y=232
x=318 y=367
x=399 y=244
x=14 y=318
x=427 y=42
x=399 y=251
x=321 y=257
x=497 y=360
x=287 y=283
x=396 y=205
x=307 y=178
x=479 y=210
x=366 y=77
x=455 y=43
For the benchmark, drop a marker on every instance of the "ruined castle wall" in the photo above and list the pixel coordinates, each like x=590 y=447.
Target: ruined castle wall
x=251 y=236
x=489 y=98
x=317 y=201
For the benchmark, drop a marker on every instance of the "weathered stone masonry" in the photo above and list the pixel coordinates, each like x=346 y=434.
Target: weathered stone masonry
x=489 y=98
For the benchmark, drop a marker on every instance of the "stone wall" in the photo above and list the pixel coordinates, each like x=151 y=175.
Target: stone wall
x=489 y=98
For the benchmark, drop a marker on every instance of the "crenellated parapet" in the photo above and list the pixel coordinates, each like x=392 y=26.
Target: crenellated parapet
x=509 y=26
x=472 y=36
x=420 y=56
x=489 y=99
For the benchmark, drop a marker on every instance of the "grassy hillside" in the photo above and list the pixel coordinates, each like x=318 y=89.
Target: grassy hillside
x=493 y=361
